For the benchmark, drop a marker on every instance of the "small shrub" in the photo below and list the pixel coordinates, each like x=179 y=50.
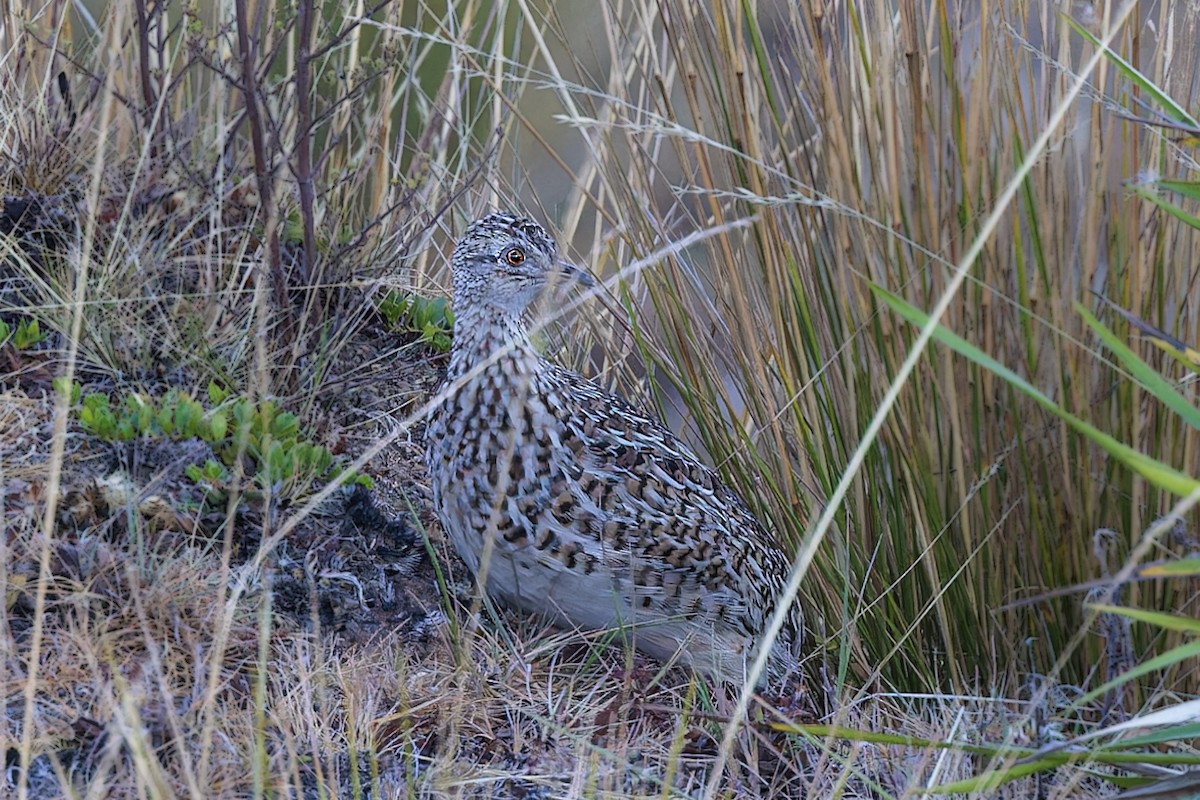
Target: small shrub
x=432 y=320
x=26 y=334
x=270 y=441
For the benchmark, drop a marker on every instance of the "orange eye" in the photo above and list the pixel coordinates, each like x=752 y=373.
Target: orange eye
x=516 y=256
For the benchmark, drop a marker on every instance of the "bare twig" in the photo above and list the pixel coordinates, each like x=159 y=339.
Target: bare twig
x=304 y=168
x=247 y=34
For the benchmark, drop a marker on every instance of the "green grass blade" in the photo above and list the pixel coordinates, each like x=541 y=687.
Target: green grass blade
x=1170 y=622
x=1159 y=474
x=1167 y=659
x=994 y=779
x=1177 y=349
x=875 y=737
x=1145 y=375
x=1174 y=734
x=1172 y=109
x=1173 y=210
x=1190 y=189
x=1181 y=568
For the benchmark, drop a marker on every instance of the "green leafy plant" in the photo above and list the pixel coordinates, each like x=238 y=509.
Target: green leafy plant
x=268 y=441
x=176 y=415
x=26 y=334
x=432 y=320
x=75 y=391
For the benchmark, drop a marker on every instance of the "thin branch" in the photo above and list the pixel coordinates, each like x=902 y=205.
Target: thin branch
x=337 y=39
x=263 y=170
x=304 y=170
x=149 y=96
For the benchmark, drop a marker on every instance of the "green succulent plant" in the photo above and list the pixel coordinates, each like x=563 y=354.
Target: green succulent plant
x=268 y=441
x=26 y=334
x=431 y=319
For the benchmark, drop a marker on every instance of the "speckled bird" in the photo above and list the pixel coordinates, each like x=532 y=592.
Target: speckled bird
x=575 y=504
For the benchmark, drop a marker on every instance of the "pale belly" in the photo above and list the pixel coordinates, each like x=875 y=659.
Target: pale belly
x=605 y=598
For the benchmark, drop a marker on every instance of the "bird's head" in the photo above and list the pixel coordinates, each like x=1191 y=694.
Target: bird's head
x=504 y=262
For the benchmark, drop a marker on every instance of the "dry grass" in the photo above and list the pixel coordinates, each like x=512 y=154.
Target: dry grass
x=744 y=177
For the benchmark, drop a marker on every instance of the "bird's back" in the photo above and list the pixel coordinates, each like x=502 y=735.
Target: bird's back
x=599 y=517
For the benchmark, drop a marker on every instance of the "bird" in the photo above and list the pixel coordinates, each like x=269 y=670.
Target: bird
x=567 y=501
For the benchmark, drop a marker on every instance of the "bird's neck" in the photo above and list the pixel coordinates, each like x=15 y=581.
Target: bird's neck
x=485 y=334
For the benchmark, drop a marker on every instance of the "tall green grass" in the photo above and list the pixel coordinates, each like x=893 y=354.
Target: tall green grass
x=862 y=148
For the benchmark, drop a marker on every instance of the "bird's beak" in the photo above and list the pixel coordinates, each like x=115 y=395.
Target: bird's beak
x=572 y=274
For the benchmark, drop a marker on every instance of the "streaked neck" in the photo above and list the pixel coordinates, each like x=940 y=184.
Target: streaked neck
x=484 y=334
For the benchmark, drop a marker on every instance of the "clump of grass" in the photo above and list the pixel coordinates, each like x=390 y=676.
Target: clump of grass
x=212 y=189
x=775 y=348
x=765 y=172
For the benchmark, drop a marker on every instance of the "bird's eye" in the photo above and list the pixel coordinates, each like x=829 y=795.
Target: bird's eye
x=516 y=256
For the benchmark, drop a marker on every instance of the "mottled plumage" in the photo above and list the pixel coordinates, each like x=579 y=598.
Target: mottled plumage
x=598 y=516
